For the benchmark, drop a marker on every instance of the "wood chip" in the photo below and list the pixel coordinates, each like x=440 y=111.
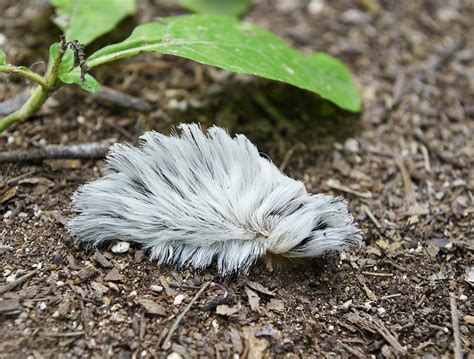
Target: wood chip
x=9 y=305
x=152 y=307
x=101 y=260
x=86 y=273
x=227 y=311
x=276 y=305
x=113 y=276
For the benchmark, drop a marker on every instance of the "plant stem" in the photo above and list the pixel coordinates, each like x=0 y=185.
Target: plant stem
x=36 y=100
x=39 y=96
x=23 y=72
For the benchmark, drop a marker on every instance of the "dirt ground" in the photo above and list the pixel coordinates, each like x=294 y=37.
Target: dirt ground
x=405 y=164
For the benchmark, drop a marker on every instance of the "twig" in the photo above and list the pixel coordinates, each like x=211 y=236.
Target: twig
x=331 y=183
x=167 y=342
x=84 y=150
x=9 y=286
x=375 y=274
x=390 y=296
x=369 y=213
x=367 y=291
x=62 y=335
x=288 y=156
x=407 y=183
x=456 y=332
x=108 y=95
x=426 y=157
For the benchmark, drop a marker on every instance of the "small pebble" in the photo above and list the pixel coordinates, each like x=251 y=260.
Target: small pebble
x=156 y=288
x=178 y=299
x=121 y=247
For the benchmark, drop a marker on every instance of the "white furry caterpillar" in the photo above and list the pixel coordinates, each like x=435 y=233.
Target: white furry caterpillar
x=190 y=198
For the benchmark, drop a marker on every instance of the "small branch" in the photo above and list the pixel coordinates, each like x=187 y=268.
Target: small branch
x=84 y=150
x=407 y=183
x=25 y=73
x=167 y=342
x=334 y=184
x=456 y=332
x=369 y=213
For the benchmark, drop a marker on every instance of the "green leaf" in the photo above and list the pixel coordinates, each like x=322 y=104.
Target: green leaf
x=67 y=62
x=239 y=47
x=216 y=7
x=74 y=77
x=86 y=20
x=3 y=57
x=69 y=74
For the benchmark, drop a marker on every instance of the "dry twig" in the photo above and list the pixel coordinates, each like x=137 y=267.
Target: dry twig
x=83 y=150
x=407 y=183
x=369 y=213
x=334 y=184
x=167 y=342
x=455 y=321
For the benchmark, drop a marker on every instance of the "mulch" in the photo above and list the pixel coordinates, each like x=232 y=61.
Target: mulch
x=404 y=165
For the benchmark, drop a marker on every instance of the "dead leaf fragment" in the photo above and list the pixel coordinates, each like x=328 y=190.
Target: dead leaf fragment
x=267 y=330
x=259 y=288
x=254 y=347
x=152 y=307
x=254 y=299
x=236 y=340
x=227 y=311
x=469 y=319
x=8 y=194
x=101 y=260
x=113 y=276
x=276 y=305
x=470 y=276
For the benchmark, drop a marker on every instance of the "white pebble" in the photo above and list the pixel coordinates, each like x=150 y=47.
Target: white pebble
x=156 y=288
x=121 y=247
x=178 y=299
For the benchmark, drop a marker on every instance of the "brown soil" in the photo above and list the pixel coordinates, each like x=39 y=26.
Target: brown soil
x=404 y=164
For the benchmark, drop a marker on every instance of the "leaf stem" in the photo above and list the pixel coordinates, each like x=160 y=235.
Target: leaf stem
x=23 y=72
x=39 y=96
x=36 y=100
